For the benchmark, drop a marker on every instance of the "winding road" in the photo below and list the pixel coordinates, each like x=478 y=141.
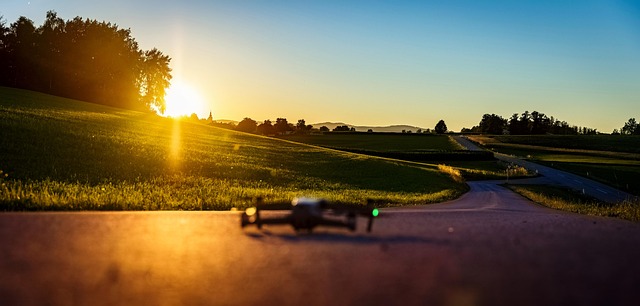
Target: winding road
x=551 y=176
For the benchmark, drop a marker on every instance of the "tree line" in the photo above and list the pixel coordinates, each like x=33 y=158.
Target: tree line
x=536 y=123
x=83 y=59
x=282 y=127
x=267 y=127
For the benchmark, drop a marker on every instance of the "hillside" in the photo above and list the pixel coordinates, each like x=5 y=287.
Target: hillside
x=66 y=154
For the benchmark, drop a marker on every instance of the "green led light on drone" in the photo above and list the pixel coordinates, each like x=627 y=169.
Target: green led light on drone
x=375 y=212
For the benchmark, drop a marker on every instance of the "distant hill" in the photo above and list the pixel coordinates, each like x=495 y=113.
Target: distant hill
x=360 y=128
x=225 y=121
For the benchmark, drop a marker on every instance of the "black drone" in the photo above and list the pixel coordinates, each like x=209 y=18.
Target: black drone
x=307 y=213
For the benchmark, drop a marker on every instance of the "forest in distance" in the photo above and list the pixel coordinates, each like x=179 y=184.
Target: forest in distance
x=83 y=59
x=528 y=123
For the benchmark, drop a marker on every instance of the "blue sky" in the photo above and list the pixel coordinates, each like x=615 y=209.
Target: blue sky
x=389 y=62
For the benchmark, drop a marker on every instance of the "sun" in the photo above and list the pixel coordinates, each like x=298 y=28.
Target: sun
x=183 y=100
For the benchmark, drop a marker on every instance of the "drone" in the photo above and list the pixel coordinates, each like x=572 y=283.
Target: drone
x=308 y=213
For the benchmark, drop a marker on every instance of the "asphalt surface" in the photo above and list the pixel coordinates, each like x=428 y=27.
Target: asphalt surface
x=551 y=176
x=490 y=247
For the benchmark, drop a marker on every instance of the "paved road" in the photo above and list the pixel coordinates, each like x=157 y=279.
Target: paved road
x=551 y=176
x=490 y=247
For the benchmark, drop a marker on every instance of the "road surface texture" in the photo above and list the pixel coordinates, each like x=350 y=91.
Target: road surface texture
x=490 y=247
x=555 y=177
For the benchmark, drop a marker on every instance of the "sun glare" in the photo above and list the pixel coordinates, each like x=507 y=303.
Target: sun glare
x=183 y=100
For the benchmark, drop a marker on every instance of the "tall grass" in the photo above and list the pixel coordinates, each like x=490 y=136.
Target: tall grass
x=383 y=142
x=562 y=199
x=452 y=172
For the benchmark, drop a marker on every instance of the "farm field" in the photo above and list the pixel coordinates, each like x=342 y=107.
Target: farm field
x=612 y=143
x=61 y=154
x=426 y=149
x=379 y=141
x=618 y=167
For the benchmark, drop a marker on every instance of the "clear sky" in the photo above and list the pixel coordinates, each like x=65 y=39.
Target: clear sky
x=388 y=62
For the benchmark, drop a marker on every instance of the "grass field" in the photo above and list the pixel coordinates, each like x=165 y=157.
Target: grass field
x=569 y=200
x=61 y=154
x=379 y=141
x=414 y=143
x=612 y=143
x=619 y=167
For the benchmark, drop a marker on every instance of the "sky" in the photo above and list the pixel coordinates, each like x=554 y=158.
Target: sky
x=381 y=63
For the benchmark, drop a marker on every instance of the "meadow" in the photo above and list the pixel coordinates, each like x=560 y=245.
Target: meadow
x=610 y=159
x=379 y=141
x=427 y=149
x=62 y=154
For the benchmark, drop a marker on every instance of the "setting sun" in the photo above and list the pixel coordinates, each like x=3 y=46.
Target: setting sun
x=184 y=100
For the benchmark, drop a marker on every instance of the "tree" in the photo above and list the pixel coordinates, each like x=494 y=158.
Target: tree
x=282 y=126
x=302 y=127
x=630 y=128
x=247 y=125
x=266 y=128
x=342 y=128
x=324 y=128
x=492 y=124
x=83 y=59
x=4 y=55
x=441 y=127
x=155 y=79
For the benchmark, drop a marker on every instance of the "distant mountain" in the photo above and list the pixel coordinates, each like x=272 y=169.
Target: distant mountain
x=225 y=121
x=360 y=128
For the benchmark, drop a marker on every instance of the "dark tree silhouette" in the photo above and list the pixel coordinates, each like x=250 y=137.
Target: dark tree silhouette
x=266 y=128
x=630 y=127
x=282 y=126
x=492 y=124
x=83 y=59
x=341 y=128
x=247 y=125
x=534 y=123
x=441 y=127
x=324 y=128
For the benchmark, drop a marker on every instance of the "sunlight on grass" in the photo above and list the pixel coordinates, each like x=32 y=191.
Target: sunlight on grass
x=452 y=172
x=176 y=144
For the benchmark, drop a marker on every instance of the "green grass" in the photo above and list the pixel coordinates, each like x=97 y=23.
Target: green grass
x=613 y=143
x=569 y=200
x=617 y=168
x=385 y=142
x=62 y=154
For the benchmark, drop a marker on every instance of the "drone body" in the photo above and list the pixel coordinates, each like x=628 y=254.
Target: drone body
x=308 y=213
